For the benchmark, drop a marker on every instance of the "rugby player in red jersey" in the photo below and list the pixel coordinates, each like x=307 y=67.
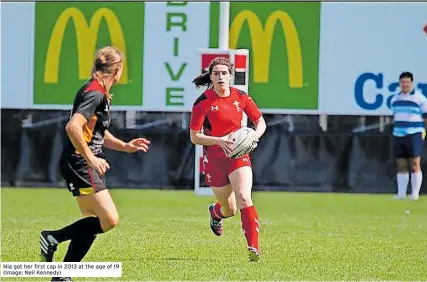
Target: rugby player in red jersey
x=219 y=112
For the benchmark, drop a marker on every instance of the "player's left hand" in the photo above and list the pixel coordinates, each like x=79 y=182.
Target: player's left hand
x=138 y=144
x=255 y=136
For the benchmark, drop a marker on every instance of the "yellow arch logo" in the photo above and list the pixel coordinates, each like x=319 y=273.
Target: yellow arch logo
x=262 y=38
x=86 y=35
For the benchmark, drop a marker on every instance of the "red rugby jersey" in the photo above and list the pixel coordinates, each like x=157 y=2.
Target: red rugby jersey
x=219 y=116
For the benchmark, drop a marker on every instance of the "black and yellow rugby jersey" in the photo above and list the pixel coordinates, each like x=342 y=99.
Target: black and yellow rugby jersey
x=92 y=103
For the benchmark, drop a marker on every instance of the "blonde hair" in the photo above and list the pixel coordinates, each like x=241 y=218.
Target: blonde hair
x=108 y=61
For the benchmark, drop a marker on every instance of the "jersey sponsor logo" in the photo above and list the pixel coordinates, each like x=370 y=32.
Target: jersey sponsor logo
x=86 y=34
x=214 y=108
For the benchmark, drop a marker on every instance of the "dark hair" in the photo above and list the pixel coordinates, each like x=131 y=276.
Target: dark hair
x=205 y=79
x=406 y=74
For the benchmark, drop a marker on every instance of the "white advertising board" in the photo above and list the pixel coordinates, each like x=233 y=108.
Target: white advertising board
x=364 y=48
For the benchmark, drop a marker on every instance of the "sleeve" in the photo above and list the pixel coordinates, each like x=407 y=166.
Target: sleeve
x=251 y=109
x=198 y=115
x=423 y=105
x=88 y=103
x=392 y=100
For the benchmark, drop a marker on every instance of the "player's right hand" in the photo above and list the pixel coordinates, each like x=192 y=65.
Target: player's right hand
x=226 y=144
x=100 y=165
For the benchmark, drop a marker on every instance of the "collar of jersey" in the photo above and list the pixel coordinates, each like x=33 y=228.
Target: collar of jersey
x=94 y=85
x=214 y=93
x=411 y=93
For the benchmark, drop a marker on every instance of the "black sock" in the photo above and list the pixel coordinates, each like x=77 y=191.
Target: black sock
x=78 y=248
x=88 y=226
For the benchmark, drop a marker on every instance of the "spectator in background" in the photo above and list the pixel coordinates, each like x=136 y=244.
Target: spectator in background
x=409 y=109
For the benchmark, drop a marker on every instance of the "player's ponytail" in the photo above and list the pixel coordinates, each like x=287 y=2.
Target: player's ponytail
x=108 y=61
x=203 y=80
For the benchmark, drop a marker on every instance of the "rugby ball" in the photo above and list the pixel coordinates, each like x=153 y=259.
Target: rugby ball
x=244 y=142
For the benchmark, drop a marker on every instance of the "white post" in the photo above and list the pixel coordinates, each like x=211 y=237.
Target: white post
x=382 y=123
x=130 y=119
x=224 y=37
x=323 y=122
x=184 y=120
x=362 y=121
x=291 y=126
x=224 y=25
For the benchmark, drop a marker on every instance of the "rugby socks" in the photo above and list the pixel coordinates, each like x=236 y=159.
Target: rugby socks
x=78 y=248
x=216 y=212
x=250 y=225
x=88 y=225
x=402 y=183
x=416 y=181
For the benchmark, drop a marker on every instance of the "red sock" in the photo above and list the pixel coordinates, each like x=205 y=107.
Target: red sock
x=250 y=225
x=217 y=211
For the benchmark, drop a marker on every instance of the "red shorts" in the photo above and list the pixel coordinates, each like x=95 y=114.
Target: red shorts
x=217 y=169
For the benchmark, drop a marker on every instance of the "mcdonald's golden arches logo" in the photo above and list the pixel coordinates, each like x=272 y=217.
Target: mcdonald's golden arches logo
x=86 y=37
x=262 y=37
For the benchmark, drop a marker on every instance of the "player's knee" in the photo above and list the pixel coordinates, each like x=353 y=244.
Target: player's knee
x=229 y=211
x=233 y=211
x=244 y=200
x=402 y=168
x=109 y=222
x=415 y=167
x=113 y=220
x=402 y=165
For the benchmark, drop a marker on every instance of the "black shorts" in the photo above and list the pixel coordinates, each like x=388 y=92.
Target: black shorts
x=80 y=178
x=408 y=146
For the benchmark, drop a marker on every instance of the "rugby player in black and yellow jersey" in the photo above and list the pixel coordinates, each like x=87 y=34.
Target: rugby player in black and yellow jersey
x=83 y=165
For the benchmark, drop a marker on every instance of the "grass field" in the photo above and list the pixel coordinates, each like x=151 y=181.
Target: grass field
x=165 y=235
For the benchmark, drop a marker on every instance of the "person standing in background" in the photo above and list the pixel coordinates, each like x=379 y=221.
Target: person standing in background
x=409 y=109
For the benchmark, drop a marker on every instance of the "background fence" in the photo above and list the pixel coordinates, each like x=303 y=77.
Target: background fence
x=295 y=153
